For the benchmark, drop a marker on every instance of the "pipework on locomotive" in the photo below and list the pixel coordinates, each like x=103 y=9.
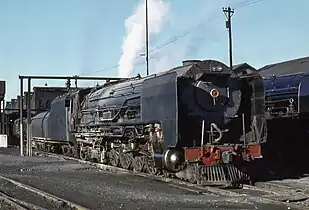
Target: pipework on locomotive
x=286 y=95
x=199 y=122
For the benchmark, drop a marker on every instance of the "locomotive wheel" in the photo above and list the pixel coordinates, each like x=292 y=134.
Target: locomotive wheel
x=83 y=154
x=102 y=158
x=66 y=150
x=71 y=150
x=74 y=150
x=53 y=148
x=150 y=166
x=138 y=163
x=125 y=160
x=166 y=174
x=48 y=148
x=114 y=158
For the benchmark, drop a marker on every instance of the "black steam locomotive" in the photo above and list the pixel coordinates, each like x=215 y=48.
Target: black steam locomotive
x=199 y=121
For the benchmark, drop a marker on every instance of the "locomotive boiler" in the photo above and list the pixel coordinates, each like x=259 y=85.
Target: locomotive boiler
x=199 y=121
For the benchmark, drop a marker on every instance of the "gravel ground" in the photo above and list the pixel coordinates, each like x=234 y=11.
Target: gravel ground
x=96 y=189
x=298 y=187
x=10 y=151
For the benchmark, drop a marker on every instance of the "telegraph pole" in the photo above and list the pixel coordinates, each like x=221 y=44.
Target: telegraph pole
x=229 y=13
x=147 y=50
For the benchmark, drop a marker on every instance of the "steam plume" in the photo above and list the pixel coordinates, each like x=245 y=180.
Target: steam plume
x=134 y=41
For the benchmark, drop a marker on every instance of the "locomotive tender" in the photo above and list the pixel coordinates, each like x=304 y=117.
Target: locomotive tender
x=199 y=121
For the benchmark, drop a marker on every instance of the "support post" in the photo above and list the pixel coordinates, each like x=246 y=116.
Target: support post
x=3 y=118
x=2 y=102
x=21 y=117
x=229 y=13
x=7 y=130
x=28 y=118
x=147 y=37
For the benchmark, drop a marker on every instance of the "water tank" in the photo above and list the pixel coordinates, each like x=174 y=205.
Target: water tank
x=190 y=62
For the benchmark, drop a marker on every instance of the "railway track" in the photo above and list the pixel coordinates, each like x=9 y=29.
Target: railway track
x=293 y=198
x=18 y=195
x=13 y=203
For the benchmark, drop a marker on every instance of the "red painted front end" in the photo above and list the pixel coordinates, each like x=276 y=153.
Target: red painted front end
x=212 y=154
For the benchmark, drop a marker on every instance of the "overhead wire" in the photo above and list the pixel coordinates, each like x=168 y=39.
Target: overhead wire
x=247 y=3
x=237 y=5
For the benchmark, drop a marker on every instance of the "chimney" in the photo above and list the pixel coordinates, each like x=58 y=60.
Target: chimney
x=190 y=62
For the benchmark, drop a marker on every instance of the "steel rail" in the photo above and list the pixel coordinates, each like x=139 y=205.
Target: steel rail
x=43 y=194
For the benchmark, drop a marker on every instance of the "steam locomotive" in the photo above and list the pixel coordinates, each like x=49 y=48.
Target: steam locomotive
x=200 y=122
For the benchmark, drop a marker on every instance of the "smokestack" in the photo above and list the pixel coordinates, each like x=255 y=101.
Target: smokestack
x=190 y=62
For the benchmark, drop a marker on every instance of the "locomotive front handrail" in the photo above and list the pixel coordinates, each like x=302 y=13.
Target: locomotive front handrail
x=214 y=126
x=281 y=89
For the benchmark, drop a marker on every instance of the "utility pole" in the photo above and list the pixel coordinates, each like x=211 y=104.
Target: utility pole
x=229 y=13
x=147 y=50
x=2 y=107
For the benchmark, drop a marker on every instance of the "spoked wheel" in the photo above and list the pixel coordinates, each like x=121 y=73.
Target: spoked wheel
x=72 y=150
x=48 y=148
x=103 y=158
x=83 y=154
x=150 y=167
x=138 y=163
x=125 y=160
x=66 y=150
x=114 y=158
x=75 y=150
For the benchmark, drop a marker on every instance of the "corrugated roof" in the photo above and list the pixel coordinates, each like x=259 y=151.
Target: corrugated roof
x=286 y=67
x=242 y=66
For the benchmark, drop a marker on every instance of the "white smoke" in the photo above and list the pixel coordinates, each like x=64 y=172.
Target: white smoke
x=134 y=41
x=162 y=63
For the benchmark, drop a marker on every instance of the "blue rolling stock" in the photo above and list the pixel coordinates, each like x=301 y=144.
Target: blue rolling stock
x=287 y=107
x=287 y=95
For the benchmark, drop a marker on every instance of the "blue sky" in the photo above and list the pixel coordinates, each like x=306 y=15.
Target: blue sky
x=74 y=37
